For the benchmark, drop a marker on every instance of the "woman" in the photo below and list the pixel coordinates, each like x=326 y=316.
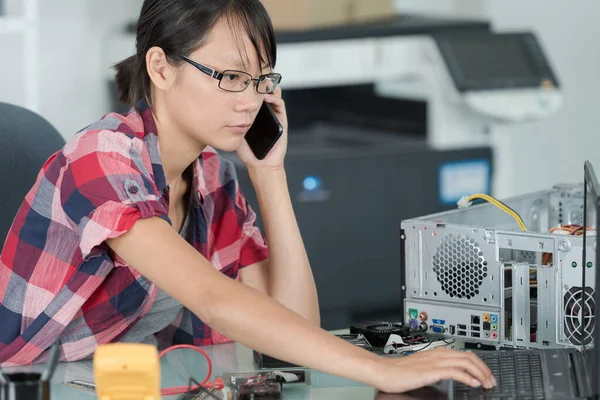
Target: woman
x=137 y=230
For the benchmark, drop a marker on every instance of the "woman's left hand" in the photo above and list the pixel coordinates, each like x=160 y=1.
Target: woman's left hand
x=275 y=157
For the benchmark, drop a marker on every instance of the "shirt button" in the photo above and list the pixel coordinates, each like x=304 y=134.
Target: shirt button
x=133 y=189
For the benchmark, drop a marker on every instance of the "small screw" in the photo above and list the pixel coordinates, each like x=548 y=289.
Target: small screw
x=564 y=245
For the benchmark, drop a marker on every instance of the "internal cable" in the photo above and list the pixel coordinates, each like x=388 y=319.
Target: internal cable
x=467 y=201
x=573 y=230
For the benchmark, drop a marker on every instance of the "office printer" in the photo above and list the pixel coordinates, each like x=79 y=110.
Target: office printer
x=450 y=84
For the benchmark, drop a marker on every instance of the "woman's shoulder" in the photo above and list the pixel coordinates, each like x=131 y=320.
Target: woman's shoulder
x=114 y=133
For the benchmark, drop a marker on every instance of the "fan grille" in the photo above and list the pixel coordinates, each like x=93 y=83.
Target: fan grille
x=460 y=266
x=577 y=313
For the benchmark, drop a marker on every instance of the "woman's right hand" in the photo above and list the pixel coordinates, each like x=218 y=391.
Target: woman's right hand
x=397 y=375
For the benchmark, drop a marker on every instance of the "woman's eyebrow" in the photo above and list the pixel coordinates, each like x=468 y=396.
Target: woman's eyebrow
x=237 y=62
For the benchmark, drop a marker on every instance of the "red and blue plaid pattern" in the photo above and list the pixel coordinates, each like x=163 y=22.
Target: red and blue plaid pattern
x=58 y=278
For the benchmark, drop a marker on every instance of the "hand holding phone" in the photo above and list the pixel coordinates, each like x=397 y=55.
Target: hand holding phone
x=264 y=132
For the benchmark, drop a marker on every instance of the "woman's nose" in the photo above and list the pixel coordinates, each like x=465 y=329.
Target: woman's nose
x=249 y=100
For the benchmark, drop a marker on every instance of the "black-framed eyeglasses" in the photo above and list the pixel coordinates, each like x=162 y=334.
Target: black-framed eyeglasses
x=238 y=81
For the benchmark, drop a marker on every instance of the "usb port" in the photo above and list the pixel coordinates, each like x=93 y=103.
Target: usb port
x=475 y=328
x=463 y=327
x=475 y=334
x=462 y=333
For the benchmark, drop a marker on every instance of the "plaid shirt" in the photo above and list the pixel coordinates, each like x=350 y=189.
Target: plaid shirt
x=58 y=278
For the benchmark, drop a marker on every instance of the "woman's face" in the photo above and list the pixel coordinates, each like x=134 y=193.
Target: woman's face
x=202 y=110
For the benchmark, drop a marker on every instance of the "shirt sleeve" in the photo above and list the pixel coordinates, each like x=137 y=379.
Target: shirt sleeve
x=107 y=187
x=254 y=245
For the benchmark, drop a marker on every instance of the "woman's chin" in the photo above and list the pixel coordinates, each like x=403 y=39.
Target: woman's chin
x=228 y=145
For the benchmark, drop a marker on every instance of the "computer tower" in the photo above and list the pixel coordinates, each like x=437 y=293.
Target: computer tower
x=473 y=274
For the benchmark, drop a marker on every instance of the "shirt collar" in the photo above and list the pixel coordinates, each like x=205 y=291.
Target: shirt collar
x=151 y=139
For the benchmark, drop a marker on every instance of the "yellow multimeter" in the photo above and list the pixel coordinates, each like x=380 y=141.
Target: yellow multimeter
x=127 y=371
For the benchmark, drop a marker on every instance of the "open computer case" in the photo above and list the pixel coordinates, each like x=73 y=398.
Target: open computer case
x=474 y=274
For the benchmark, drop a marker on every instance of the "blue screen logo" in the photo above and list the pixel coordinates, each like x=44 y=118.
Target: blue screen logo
x=311 y=183
x=313 y=191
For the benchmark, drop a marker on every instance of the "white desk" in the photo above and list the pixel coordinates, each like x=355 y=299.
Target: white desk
x=177 y=366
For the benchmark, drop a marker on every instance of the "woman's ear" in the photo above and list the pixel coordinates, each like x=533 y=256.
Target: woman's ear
x=162 y=74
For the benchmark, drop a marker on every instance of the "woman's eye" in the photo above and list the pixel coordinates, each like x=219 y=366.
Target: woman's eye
x=232 y=77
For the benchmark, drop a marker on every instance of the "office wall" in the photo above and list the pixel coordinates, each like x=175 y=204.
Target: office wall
x=11 y=67
x=97 y=20
x=11 y=7
x=553 y=150
x=65 y=78
x=72 y=62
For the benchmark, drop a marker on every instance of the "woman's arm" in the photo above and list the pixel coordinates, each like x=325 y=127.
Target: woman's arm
x=287 y=277
x=257 y=321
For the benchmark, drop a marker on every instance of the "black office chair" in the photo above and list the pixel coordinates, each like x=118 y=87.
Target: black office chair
x=26 y=142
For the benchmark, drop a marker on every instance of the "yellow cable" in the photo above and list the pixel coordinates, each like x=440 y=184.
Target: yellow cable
x=501 y=206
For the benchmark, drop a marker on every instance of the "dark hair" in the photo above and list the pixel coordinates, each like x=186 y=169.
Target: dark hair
x=179 y=27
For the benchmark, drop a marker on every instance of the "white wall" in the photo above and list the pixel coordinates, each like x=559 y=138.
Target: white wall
x=65 y=79
x=12 y=7
x=553 y=150
x=73 y=66
x=11 y=62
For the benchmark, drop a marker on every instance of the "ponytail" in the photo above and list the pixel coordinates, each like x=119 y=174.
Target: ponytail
x=131 y=80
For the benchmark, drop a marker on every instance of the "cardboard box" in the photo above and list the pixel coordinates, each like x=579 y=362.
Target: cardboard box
x=303 y=14
x=306 y=14
x=369 y=10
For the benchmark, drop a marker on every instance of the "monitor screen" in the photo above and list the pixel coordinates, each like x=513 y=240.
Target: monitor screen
x=480 y=61
x=500 y=57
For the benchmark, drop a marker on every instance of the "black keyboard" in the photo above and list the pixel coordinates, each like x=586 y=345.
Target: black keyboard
x=518 y=374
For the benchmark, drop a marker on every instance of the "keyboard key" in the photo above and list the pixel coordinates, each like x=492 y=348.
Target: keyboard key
x=518 y=374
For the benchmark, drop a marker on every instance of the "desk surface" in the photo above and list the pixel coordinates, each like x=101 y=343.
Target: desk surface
x=177 y=366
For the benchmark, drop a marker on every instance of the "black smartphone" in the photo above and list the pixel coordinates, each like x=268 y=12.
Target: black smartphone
x=264 y=132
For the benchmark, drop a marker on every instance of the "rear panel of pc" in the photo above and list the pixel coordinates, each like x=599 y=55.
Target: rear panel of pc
x=473 y=274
